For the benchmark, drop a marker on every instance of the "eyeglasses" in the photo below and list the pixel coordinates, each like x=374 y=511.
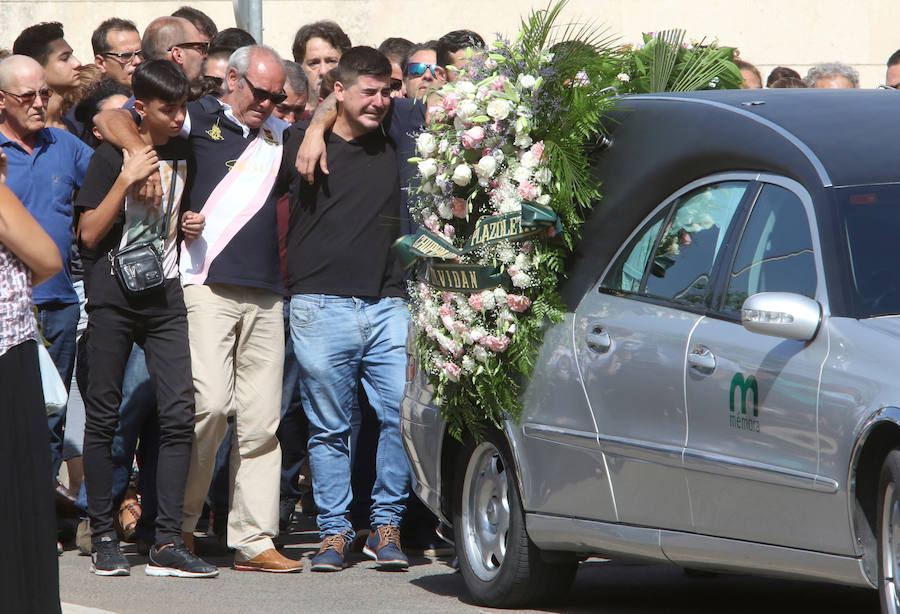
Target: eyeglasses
x=261 y=94
x=396 y=84
x=28 y=98
x=418 y=69
x=202 y=47
x=126 y=57
x=896 y=86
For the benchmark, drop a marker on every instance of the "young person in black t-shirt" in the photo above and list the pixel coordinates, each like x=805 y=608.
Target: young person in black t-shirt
x=349 y=319
x=156 y=320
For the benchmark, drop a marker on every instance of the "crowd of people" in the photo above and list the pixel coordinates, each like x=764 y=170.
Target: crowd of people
x=207 y=229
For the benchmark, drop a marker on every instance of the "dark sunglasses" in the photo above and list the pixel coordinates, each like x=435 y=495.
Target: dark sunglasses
x=261 y=94
x=396 y=84
x=125 y=57
x=418 y=69
x=200 y=46
x=28 y=98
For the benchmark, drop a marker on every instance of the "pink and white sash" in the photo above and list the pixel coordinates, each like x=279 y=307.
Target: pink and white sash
x=238 y=197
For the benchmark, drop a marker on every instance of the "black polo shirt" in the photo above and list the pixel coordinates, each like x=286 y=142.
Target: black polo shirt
x=342 y=227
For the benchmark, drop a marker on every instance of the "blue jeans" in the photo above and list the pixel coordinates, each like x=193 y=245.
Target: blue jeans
x=58 y=324
x=340 y=341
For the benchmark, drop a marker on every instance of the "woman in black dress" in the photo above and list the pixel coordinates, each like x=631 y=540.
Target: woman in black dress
x=29 y=569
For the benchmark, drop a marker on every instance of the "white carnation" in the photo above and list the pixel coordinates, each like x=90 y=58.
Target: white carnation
x=486 y=166
x=462 y=175
x=479 y=353
x=466 y=110
x=623 y=77
x=521 y=280
x=427 y=168
x=464 y=88
x=529 y=160
x=521 y=174
x=527 y=81
x=523 y=261
x=488 y=302
x=543 y=199
x=426 y=143
x=468 y=364
x=496 y=108
x=523 y=140
x=443 y=146
x=500 y=295
x=543 y=175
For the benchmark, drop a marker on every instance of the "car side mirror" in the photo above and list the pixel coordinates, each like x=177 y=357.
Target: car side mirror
x=782 y=314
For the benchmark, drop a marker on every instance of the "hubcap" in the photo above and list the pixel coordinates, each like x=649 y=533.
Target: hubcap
x=890 y=535
x=485 y=511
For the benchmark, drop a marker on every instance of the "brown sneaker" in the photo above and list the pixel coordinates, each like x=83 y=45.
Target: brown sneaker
x=332 y=553
x=269 y=560
x=383 y=545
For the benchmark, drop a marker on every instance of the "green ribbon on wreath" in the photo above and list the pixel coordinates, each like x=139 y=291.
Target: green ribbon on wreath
x=489 y=229
x=465 y=278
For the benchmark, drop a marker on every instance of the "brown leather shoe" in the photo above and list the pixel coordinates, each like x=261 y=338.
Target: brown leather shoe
x=270 y=560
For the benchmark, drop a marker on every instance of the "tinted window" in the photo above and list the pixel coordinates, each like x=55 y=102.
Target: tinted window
x=871 y=218
x=681 y=257
x=691 y=241
x=775 y=252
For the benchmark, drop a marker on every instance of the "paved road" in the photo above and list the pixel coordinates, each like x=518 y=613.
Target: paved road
x=432 y=586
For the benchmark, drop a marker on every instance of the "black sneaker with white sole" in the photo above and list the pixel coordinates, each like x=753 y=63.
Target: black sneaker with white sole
x=107 y=559
x=177 y=561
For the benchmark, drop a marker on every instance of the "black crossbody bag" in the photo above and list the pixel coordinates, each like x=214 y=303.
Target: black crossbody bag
x=139 y=267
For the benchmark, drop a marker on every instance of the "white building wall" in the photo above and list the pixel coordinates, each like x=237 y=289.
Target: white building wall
x=796 y=33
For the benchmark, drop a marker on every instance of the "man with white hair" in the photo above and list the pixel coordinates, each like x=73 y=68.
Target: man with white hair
x=233 y=294
x=832 y=75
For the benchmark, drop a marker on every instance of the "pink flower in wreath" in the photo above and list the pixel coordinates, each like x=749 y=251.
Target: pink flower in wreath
x=452 y=371
x=495 y=344
x=497 y=84
x=472 y=137
x=517 y=302
x=449 y=102
x=527 y=247
x=449 y=231
x=475 y=301
x=538 y=150
x=432 y=223
x=460 y=209
x=527 y=190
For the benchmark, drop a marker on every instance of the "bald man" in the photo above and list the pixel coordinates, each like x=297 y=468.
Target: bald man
x=45 y=166
x=177 y=40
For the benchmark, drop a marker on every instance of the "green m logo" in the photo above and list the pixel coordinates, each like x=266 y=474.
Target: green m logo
x=745 y=386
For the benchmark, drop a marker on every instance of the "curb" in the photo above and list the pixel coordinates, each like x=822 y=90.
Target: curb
x=72 y=608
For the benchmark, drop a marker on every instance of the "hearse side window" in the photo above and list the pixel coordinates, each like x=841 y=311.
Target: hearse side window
x=775 y=253
x=673 y=256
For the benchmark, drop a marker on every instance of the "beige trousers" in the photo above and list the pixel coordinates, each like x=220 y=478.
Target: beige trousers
x=237 y=357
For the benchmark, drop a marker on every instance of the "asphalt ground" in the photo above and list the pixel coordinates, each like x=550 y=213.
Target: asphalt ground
x=434 y=586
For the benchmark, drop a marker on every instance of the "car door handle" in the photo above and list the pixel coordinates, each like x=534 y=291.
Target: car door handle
x=702 y=359
x=598 y=340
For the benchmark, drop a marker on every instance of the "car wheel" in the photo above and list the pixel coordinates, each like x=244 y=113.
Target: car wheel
x=498 y=562
x=889 y=534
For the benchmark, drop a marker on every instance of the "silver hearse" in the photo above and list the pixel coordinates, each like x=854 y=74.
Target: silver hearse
x=724 y=393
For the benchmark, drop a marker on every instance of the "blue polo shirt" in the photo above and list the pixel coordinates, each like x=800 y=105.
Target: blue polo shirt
x=45 y=182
